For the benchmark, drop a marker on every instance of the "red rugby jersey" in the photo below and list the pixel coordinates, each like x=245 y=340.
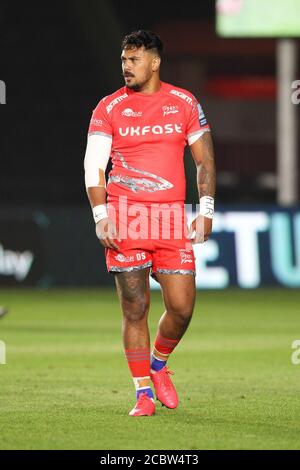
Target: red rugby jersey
x=149 y=133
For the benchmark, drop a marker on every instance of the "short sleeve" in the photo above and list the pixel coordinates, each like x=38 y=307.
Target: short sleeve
x=197 y=121
x=100 y=123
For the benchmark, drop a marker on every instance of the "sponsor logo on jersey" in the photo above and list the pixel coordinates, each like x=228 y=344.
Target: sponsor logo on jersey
x=186 y=256
x=124 y=259
x=170 y=110
x=130 y=113
x=183 y=96
x=115 y=101
x=96 y=122
x=166 y=129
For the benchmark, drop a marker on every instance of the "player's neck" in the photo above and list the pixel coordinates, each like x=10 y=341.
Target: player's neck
x=153 y=86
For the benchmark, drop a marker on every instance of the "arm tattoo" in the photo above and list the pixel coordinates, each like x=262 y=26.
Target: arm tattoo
x=206 y=170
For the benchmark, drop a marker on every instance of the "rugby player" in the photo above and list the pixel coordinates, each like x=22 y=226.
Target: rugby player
x=143 y=127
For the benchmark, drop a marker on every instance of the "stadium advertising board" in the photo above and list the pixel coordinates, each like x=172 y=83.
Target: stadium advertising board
x=250 y=249
x=21 y=256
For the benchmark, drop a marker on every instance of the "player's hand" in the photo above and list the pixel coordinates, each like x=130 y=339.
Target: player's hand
x=200 y=229
x=107 y=233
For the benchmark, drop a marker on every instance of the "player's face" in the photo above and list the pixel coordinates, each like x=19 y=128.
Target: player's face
x=138 y=66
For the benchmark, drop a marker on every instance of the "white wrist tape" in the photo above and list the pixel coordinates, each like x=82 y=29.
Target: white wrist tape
x=207 y=206
x=100 y=212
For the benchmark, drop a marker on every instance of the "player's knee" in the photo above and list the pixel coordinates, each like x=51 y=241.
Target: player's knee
x=135 y=309
x=182 y=312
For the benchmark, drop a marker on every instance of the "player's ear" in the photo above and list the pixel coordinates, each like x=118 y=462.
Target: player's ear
x=155 y=63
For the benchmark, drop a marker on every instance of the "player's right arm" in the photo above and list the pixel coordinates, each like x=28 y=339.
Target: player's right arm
x=95 y=162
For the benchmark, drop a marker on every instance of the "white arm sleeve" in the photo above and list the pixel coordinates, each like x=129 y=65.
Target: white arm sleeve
x=96 y=158
x=196 y=135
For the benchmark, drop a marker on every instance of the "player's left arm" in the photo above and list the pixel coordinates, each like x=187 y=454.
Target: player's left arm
x=203 y=154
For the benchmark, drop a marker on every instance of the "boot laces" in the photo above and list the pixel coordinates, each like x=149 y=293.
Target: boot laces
x=167 y=373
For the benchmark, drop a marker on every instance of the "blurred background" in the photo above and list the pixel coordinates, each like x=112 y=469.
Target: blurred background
x=59 y=59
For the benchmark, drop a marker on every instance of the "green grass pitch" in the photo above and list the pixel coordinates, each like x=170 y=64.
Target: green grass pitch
x=66 y=383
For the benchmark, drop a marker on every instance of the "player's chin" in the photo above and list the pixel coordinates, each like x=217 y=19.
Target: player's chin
x=133 y=86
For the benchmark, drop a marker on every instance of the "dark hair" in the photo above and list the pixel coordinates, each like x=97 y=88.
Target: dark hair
x=140 y=38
